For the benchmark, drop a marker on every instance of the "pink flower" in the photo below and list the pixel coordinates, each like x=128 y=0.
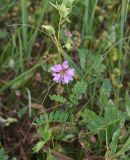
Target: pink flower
x=62 y=73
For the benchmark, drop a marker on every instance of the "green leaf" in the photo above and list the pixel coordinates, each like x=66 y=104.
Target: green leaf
x=82 y=57
x=111 y=113
x=125 y=148
x=66 y=116
x=78 y=91
x=115 y=139
x=40 y=121
x=57 y=98
x=106 y=86
x=41 y=118
x=54 y=5
x=62 y=115
x=45 y=133
x=22 y=112
x=51 y=115
x=79 y=87
x=71 y=117
x=38 y=146
x=3 y=155
x=127 y=104
x=93 y=121
x=88 y=115
x=57 y=115
x=46 y=117
x=96 y=124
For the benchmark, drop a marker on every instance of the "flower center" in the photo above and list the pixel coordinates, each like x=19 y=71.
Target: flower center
x=63 y=72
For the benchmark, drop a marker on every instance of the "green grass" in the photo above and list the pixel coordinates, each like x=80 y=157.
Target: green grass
x=24 y=21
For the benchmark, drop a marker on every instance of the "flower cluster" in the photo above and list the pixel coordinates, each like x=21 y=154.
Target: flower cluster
x=62 y=73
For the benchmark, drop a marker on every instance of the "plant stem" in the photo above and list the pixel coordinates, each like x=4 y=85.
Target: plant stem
x=123 y=17
x=85 y=19
x=59 y=43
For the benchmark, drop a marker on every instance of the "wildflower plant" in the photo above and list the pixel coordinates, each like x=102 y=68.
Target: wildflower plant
x=62 y=74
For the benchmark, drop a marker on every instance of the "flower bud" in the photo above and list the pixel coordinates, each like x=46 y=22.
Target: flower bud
x=115 y=55
x=116 y=72
x=68 y=45
x=64 y=11
x=11 y=63
x=49 y=29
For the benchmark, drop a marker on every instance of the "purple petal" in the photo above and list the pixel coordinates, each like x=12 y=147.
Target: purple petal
x=70 y=72
x=65 y=80
x=57 y=77
x=57 y=68
x=55 y=74
x=65 y=64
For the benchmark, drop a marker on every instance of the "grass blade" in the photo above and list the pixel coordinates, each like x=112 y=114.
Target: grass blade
x=24 y=21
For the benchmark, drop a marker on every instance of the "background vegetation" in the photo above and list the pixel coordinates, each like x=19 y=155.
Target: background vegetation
x=88 y=118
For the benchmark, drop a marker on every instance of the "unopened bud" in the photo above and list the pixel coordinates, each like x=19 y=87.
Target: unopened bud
x=68 y=45
x=116 y=72
x=115 y=55
x=49 y=29
x=64 y=11
x=11 y=63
